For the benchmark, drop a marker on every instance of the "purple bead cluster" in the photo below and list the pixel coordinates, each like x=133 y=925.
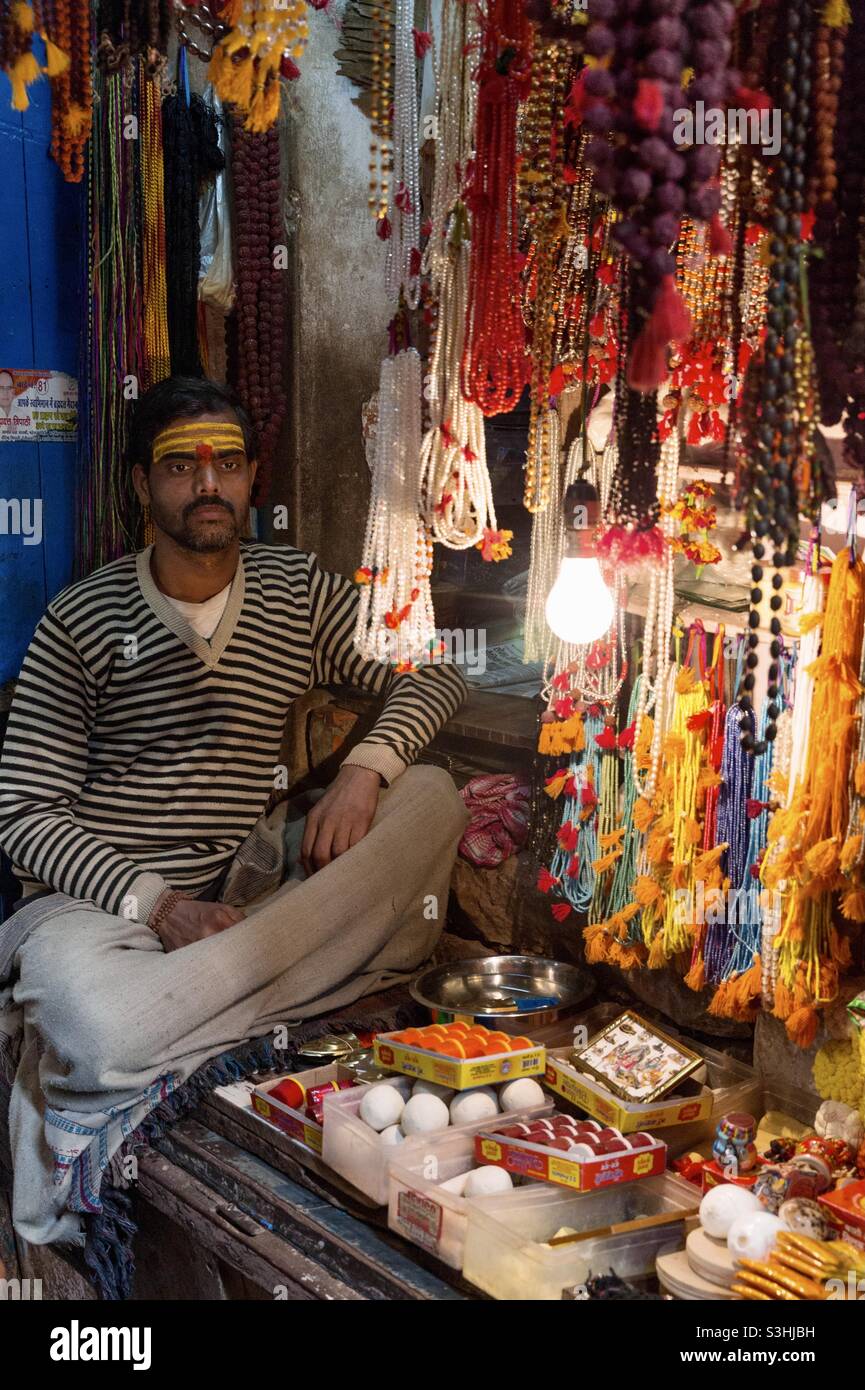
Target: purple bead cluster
x=650 y=179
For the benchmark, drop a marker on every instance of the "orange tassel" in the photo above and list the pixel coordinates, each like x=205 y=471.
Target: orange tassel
x=696 y=976
x=802 y=1027
x=647 y=891
x=658 y=953
x=642 y=814
x=859 y=779
x=853 y=904
x=783 y=1000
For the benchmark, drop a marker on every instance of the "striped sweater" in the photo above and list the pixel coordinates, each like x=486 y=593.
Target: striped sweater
x=138 y=755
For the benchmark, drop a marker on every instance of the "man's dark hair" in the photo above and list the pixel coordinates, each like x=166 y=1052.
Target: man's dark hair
x=182 y=398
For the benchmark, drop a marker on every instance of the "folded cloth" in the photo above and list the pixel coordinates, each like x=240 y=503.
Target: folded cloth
x=498 y=804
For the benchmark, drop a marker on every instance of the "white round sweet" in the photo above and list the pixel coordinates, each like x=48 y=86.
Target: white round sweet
x=722 y=1204
x=392 y=1135
x=429 y=1088
x=381 y=1106
x=752 y=1235
x=456 y=1185
x=403 y=1084
x=467 y=1107
x=521 y=1094
x=581 y=1153
x=423 y=1115
x=483 y=1181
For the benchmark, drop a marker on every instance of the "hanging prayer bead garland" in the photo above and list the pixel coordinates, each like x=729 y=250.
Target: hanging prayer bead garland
x=455 y=117
x=395 y=621
x=19 y=22
x=495 y=366
x=380 y=154
x=547 y=543
x=156 y=354
x=455 y=491
x=402 y=274
x=70 y=26
x=258 y=367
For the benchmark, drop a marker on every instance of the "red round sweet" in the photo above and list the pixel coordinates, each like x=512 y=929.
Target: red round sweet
x=612 y=1146
x=609 y=1133
x=588 y=1127
x=641 y=1141
x=290 y=1092
x=561 y=1143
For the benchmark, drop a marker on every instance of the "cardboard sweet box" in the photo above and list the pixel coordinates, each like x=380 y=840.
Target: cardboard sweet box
x=295 y=1120
x=422 y=1060
x=580 y=1154
x=584 y=1091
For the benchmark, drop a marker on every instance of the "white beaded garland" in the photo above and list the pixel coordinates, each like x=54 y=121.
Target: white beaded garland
x=404 y=212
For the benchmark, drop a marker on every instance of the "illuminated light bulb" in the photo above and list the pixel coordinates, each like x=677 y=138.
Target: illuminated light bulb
x=579 y=606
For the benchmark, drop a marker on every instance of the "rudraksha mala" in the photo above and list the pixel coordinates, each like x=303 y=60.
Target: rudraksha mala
x=69 y=24
x=261 y=288
x=778 y=425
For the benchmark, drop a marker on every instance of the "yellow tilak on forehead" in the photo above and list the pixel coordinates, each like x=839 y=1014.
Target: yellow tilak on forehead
x=199 y=438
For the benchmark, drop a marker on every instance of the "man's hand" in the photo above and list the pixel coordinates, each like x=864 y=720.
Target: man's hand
x=341 y=818
x=190 y=921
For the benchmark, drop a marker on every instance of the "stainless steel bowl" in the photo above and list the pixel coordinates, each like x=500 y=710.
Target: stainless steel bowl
x=513 y=993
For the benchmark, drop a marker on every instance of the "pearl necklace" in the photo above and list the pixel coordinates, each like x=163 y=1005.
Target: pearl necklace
x=456 y=104
x=455 y=491
x=547 y=546
x=403 y=247
x=395 y=620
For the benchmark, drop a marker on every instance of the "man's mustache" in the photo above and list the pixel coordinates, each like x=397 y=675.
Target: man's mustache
x=212 y=502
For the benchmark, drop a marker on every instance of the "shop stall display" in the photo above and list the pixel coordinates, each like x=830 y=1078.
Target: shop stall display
x=639 y=227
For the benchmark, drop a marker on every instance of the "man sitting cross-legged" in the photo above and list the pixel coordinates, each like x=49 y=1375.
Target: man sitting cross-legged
x=165 y=918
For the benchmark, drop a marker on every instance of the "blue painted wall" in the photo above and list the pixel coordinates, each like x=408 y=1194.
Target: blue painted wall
x=41 y=251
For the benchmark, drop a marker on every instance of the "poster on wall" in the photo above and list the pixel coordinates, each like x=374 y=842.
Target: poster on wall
x=37 y=407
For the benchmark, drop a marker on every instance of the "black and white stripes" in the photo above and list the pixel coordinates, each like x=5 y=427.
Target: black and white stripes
x=138 y=755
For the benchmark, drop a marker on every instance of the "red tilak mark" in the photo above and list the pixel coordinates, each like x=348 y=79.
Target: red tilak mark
x=204 y=452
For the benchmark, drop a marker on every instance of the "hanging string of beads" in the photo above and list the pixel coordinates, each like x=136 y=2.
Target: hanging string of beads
x=395 y=621
x=156 y=350
x=257 y=353
x=70 y=27
x=402 y=274
x=381 y=120
x=455 y=116
x=495 y=366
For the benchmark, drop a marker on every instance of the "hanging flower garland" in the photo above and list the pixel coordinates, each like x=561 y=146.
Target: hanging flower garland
x=695 y=519
x=70 y=26
x=18 y=24
x=262 y=44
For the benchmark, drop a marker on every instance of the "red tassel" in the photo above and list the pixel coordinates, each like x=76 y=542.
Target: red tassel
x=560 y=911
x=414 y=262
x=720 y=242
x=647 y=364
x=670 y=314
x=422 y=43
x=607 y=740
x=648 y=104
x=288 y=68
x=752 y=99
x=383 y=229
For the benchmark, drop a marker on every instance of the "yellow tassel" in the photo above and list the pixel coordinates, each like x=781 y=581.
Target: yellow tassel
x=719 y=1005
x=706 y=863
x=556 y=784
x=693 y=831
x=802 y=1027
x=783 y=1000
x=850 y=853
x=696 y=976
x=853 y=904
x=56 y=61
x=647 y=891
x=26 y=69
x=839 y=949
x=657 y=953
x=606 y=861
x=708 y=778
x=859 y=779
x=643 y=749
x=23 y=17
x=685 y=680
x=231 y=12
x=658 y=847
x=241 y=83
x=574 y=734
x=545 y=743
x=76 y=120
x=679 y=875
x=606 y=841
x=674 y=747
x=596 y=943
x=748 y=986
x=20 y=99
x=808 y=622
x=642 y=814
x=822 y=859
x=837 y=14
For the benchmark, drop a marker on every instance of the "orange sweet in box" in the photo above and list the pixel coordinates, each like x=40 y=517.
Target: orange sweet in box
x=412 y=1037
x=473 y=1047
x=456 y=1030
x=451 y=1047
x=499 y=1036
x=434 y=1030
x=478 y=1030
x=495 y=1045
x=517 y=1044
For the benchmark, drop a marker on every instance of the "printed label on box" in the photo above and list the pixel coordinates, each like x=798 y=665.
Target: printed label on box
x=568 y=1174
x=420 y=1217
x=491 y=1150
x=643 y=1163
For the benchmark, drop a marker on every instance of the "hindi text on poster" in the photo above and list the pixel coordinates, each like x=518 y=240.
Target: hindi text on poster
x=37 y=407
